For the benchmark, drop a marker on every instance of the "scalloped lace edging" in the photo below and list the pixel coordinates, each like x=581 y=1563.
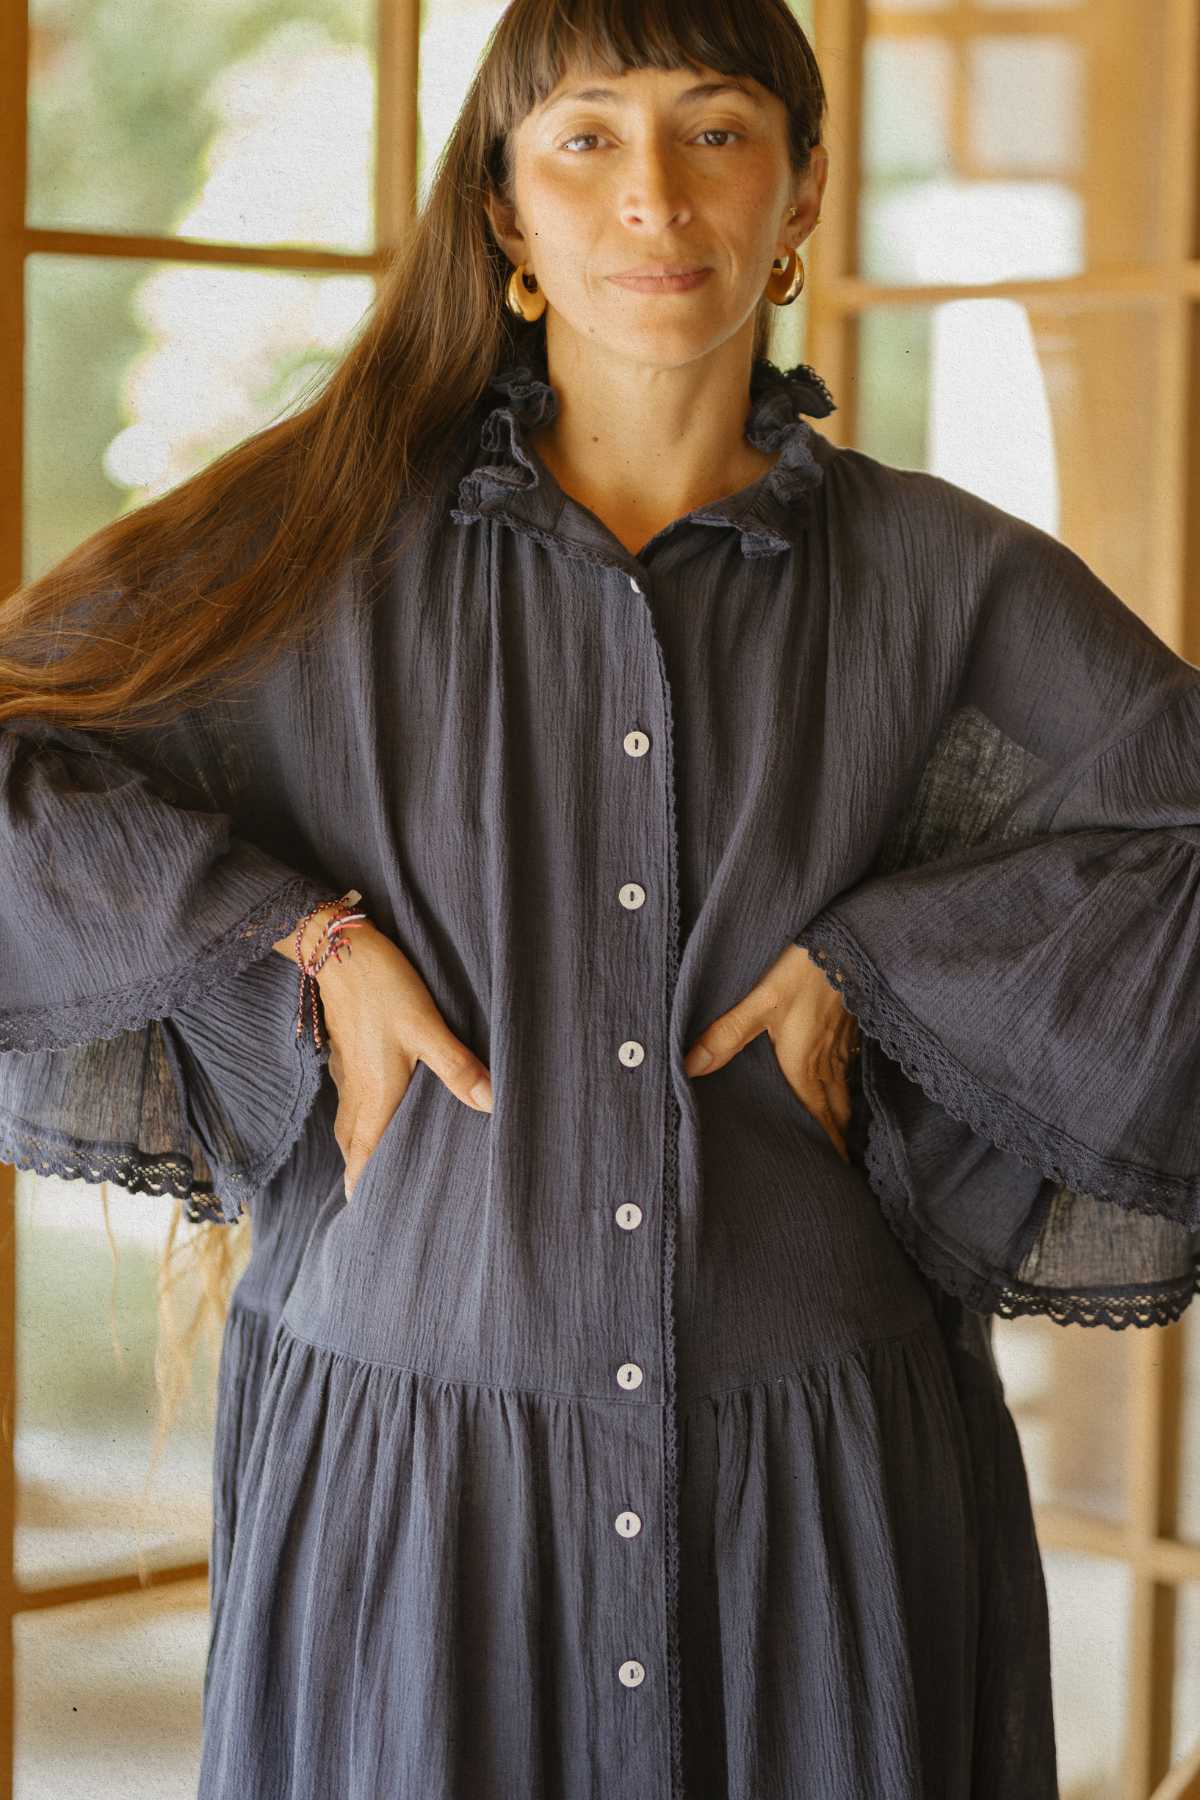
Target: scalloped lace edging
x=1157 y=1303
x=127 y=1008
x=170 y=1174
x=1006 y=1124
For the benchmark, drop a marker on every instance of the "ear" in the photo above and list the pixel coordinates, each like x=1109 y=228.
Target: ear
x=806 y=201
x=503 y=221
x=819 y=170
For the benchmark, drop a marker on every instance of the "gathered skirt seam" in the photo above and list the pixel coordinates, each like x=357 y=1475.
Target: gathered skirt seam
x=768 y=1377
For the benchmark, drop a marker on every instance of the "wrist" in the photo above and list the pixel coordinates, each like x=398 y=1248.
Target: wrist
x=310 y=937
x=313 y=933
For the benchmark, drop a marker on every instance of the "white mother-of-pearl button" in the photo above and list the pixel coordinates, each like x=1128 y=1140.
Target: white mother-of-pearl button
x=629 y=1215
x=632 y=1673
x=632 y=895
x=636 y=743
x=629 y=1375
x=628 y=1524
x=631 y=1053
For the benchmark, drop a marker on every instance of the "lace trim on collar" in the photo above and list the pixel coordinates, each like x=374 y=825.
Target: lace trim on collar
x=774 y=423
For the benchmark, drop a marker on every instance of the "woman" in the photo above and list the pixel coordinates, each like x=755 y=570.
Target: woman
x=595 y=1422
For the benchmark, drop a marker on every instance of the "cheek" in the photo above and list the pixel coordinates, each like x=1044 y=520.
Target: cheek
x=558 y=220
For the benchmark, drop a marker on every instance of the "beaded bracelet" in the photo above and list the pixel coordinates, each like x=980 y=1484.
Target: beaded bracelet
x=330 y=943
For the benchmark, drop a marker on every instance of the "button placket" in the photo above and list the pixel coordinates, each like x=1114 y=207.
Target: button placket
x=628 y=1215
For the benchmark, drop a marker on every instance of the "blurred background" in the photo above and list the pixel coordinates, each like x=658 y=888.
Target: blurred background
x=1004 y=290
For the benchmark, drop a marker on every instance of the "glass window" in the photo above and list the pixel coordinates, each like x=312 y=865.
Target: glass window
x=1089 y=1605
x=1189 y=1460
x=1185 y=1736
x=108 y=1696
x=139 y=374
x=89 y=1502
x=261 y=117
x=453 y=34
x=990 y=156
x=1019 y=404
x=1074 y=1450
x=1014 y=79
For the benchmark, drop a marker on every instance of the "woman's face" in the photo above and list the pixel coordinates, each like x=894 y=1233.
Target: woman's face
x=648 y=168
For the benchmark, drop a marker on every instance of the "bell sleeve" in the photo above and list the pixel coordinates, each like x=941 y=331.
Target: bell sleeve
x=1024 y=965
x=147 y=1028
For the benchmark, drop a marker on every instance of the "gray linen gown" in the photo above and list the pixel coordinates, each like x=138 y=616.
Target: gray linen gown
x=625 y=1442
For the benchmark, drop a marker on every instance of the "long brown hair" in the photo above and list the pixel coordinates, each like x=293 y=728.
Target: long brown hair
x=259 y=534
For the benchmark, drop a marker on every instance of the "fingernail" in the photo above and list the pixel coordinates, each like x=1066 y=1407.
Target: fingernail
x=481 y=1094
x=700 y=1059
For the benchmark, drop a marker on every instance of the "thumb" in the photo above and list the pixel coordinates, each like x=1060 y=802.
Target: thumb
x=720 y=1042
x=456 y=1066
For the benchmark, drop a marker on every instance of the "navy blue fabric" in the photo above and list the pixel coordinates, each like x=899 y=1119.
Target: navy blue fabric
x=520 y=1491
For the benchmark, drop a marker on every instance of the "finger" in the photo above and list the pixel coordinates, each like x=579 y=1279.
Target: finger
x=721 y=1041
x=459 y=1068
x=833 y=1072
x=366 y=1135
x=352 y=1157
x=360 y=1142
x=835 y=1125
x=828 y=1118
x=822 y=1102
x=839 y=1101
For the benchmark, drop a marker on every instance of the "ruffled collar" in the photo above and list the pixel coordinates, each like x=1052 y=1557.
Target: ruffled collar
x=511 y=482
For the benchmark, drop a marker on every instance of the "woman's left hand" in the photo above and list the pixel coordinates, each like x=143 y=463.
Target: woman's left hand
x=813 y=1035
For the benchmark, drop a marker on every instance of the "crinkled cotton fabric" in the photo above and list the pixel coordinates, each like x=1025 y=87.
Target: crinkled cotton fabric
x=626 y=1440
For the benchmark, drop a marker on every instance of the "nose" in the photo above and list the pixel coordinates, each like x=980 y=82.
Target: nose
x=654 y=193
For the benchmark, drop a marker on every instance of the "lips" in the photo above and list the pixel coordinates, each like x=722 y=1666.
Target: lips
x=662 y=284
x=651 y=271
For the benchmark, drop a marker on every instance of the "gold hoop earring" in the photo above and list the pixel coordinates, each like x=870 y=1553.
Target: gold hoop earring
x=787 y=279
x=528 y=303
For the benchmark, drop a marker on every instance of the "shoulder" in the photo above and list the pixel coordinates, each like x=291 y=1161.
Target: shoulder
x=915 y=527
x=887 y=506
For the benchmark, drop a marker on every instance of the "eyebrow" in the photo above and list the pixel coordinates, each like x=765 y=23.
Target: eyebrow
x=703 y=90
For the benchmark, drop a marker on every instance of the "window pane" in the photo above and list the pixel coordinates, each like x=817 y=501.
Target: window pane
x=139 y=374
x=992 y=157
x=259 y=118
x=1010 y=80
x=1049 y=412
x=453 y=34
x=87 y=1501
x=1185 y=1734
x=1089 y=1603
x=108 y=1697
x=1189 y=1462
x=906 y=112
x=1074 y=1450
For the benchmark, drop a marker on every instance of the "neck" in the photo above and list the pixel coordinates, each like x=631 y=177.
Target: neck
x=645 y=445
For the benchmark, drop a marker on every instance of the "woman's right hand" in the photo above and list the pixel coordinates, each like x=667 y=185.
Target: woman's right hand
x=382 y=1021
